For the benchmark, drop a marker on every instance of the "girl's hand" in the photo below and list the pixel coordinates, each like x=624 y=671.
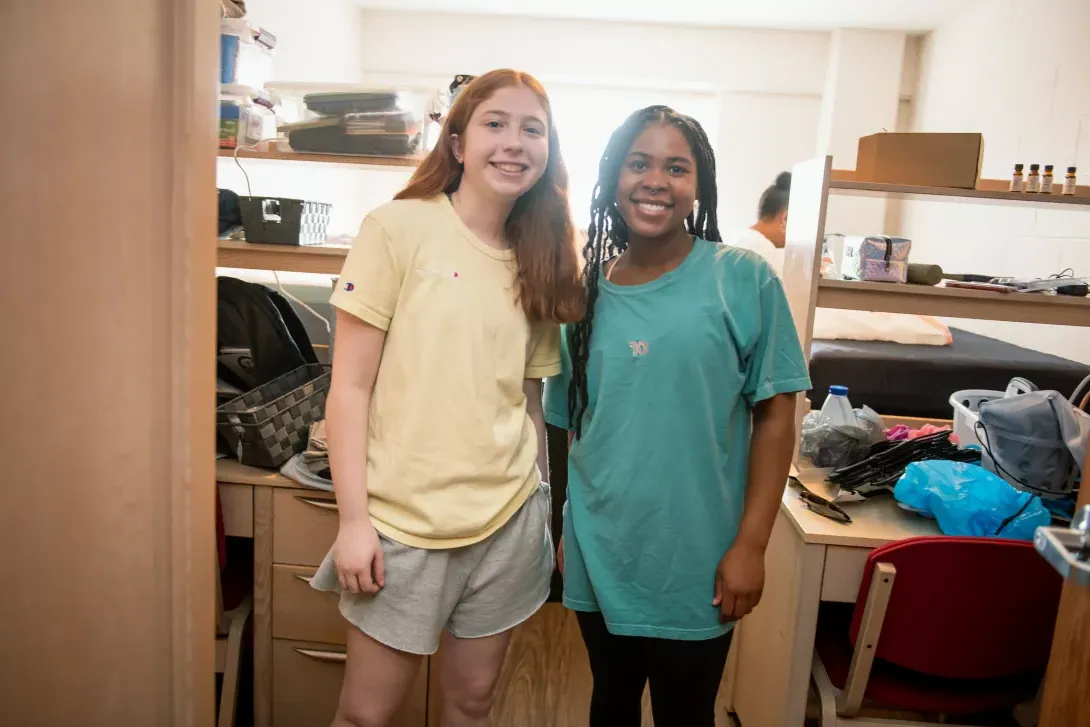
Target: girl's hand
x=560 y=555
x=358 y=557
x=739 y=581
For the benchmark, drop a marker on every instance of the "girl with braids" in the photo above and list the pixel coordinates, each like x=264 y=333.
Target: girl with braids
x=768 y=235
x=448 y=318
x=678 y=388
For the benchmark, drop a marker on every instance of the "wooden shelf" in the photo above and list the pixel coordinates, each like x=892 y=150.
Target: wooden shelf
x=911 y=191
x=327 y=259
x=291 y=156
x=1064 y=310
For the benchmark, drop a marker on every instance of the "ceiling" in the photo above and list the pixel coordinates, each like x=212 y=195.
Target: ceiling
x=908 y=15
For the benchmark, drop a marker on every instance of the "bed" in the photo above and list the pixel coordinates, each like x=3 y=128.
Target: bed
x=916 y=381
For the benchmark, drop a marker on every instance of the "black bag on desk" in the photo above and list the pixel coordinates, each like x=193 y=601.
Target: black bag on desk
x=258 y=335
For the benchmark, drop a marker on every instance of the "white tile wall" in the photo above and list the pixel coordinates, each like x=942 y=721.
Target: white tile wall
x=1016 y=72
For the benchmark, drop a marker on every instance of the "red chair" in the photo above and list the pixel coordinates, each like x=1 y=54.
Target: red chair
x=966 y=630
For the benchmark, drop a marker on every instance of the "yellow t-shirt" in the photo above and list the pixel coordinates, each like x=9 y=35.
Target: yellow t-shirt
x=451 y=451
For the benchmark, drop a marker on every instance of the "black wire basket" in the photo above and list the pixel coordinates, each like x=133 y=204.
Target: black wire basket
x=267 y=426
x=284 y=221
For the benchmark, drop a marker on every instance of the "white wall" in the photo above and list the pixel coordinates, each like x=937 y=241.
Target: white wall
x=762 y=88
x=863 y=85
x=758 y=90
x=317 y=40
x=1016 y=72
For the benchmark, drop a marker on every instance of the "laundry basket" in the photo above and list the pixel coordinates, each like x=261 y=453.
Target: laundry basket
x=966 y=405
x=267 y=426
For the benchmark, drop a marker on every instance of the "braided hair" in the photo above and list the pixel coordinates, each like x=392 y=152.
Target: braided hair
x=607 y=234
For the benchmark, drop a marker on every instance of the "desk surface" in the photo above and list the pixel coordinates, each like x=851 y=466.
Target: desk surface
x=230 y=471
x=874 y=522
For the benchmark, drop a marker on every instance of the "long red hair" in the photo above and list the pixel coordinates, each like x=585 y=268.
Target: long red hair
x=540 y=225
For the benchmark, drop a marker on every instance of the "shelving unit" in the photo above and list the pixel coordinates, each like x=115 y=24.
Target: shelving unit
x=325 y=259
x=264 y=506
x=848 y=186
x=812 y=183
x=291 y=156
x=954 y=302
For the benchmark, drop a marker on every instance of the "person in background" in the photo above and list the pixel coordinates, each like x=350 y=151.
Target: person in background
x=447 y=321
x=769 y=235
x=678 y=388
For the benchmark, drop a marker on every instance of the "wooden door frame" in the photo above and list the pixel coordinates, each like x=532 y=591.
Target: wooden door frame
x=192 y=144
x=107 y=519
x=1066 y=699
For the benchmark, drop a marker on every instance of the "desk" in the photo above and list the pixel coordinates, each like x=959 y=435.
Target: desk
x=810 y=559
x=299 y=634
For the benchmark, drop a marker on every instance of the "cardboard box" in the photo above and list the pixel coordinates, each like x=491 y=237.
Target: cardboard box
x=926 y=160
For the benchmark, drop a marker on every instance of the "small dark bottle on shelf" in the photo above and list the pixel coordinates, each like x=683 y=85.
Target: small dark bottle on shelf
x=1046 y=180
x=1069 y=182
x=1017 y=179
x=1033 y=181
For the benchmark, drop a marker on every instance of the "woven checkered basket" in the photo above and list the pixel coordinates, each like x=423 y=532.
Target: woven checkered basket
x=266 y=426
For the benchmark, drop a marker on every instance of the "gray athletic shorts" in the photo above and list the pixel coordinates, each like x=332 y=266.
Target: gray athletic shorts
x=475 y=591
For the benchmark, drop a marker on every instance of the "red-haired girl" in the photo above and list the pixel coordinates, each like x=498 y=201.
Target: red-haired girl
x=447 y=321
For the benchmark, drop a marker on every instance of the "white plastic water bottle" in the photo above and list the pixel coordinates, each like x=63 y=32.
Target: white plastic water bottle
x=837 y=409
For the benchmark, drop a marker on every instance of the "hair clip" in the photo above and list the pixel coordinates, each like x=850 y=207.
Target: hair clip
x=819 y=505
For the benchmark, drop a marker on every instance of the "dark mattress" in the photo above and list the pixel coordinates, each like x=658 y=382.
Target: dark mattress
x=906 y=380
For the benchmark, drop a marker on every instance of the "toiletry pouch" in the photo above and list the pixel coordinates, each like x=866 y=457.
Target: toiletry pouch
x=878 y=258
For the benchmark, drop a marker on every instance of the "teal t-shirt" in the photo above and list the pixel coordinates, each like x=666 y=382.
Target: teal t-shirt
x=657 y=482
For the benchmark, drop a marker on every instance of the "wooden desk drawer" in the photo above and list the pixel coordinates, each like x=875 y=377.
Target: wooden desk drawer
x=237 y=502
x=302 y=613
x=304 y=526
x=843 y=573
x=307 y=684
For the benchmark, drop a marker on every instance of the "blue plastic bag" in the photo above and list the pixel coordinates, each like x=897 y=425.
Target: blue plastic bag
x=967 y=499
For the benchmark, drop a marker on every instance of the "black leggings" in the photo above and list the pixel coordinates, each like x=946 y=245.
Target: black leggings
x=684 y=676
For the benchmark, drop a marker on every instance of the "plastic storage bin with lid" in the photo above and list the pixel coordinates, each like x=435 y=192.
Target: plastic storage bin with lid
x=392 y=122
x=243 y=60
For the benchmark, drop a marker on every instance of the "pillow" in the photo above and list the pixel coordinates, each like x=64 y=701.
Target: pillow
x=832 y=324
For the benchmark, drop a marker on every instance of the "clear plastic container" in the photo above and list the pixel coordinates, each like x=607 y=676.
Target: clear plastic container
x=390 y=121
x=837 y=409
x=243 y=61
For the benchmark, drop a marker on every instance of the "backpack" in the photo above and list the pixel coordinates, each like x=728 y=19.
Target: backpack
x=229 y=214
x=258 y=335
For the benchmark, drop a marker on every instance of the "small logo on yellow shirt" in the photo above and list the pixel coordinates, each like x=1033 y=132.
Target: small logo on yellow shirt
x=639 y=348
x=349 y=287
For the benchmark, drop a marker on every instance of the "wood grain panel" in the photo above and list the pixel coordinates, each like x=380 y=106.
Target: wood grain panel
x=238 y=509
x=107 y=513
x=302 y=613
x=308 y=680
x=1066 y=699
x=843 y=573
x=263 y=564
x=777 y=642
x=546 y=677
x=305 y=526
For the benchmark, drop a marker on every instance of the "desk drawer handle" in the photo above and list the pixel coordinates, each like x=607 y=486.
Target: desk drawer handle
x=303 y=578
x=321 y=655
x=316 y=502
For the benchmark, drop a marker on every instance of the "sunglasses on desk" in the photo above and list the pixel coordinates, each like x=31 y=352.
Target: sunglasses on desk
x=819 y=505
